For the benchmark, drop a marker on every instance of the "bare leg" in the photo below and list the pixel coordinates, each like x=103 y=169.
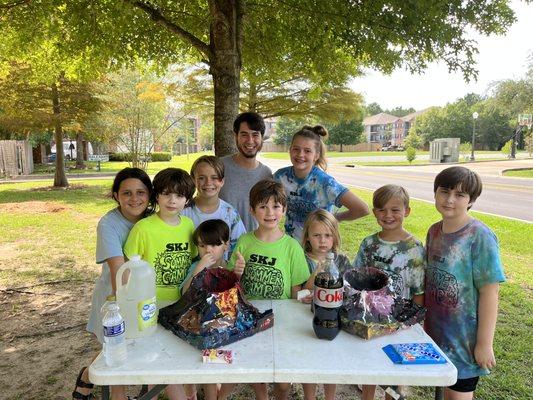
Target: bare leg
x=281 y=390
x=225 y=390
x=453 y=395
x=368 y=392
x=309 y=391
x=210 y=391
x=329 y=391
x=118 y=392
x=261 y=391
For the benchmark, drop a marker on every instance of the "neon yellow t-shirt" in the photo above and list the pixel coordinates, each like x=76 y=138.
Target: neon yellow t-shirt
x=169 y=250
x=272 y=269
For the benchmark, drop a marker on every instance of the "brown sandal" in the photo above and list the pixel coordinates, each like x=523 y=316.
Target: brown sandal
x=81 y=384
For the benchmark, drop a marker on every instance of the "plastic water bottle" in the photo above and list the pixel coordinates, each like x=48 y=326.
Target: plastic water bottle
x=114 y=336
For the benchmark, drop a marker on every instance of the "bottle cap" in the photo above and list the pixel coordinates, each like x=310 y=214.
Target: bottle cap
x=330 y=256
x=135 y=257
x=111 y=297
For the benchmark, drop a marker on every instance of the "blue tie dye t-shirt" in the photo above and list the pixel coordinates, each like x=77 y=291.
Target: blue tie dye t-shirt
x=458 y=265
x=317 y=190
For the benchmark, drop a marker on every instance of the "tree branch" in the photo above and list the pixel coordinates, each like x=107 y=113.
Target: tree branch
x=159 y=18
x=9 y=6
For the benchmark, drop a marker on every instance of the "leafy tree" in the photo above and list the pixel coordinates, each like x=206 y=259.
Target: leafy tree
x=285 y=129
x=346 y=132
x=410 y=154
x=229 y=34
x=412 y=140
x=373 y=109
x=506 y=149
x=400 y=111
x=135 y=114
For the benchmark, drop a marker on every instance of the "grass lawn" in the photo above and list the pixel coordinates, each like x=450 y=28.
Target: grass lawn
x=336 y=154
x=522 y=173
x=182 y=161
x=50 y=234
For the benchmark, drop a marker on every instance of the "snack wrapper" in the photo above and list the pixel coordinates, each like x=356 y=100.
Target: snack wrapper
x=217 y=356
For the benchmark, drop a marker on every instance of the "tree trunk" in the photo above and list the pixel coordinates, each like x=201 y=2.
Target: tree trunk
x=79 y=151
x=60 y=178
x=225 y=68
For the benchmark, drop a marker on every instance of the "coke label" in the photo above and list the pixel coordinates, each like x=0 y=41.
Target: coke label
x=328 y=298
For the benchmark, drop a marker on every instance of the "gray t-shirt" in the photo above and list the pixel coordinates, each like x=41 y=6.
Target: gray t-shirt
x=111 y=234
x=236 y=189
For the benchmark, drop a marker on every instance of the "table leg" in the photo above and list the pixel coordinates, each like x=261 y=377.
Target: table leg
x=439 y=393
x=152 y=392
x=105 y=392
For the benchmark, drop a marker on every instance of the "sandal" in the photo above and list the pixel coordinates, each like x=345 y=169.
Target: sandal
x=81 y=384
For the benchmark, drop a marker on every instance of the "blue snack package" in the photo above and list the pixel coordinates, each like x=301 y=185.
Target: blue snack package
x=414 y=353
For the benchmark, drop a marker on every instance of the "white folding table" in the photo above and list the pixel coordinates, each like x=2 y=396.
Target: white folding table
x=288 y=352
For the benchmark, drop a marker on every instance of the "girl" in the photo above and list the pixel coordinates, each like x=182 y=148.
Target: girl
x=309 y=187
x=321 y=236
x=132 y=191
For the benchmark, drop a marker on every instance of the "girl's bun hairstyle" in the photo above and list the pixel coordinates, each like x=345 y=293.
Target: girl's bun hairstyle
x=320 y=130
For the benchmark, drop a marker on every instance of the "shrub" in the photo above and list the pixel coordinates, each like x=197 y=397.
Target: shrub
x=119 y=156
x=161 y=156
x=410 y=154
x=506 y=149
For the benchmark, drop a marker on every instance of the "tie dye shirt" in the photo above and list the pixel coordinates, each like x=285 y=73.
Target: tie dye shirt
x=459 y=264
x=317 y=190
x=402 y=261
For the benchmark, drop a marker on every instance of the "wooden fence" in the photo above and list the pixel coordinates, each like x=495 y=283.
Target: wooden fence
x=16 y=158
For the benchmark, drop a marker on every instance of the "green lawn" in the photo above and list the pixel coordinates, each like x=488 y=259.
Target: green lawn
x=182 y=161
x=336 y=154
x=58 y=242
x=522 y=173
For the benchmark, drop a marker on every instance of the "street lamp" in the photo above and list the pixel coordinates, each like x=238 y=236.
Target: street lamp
x=474 y=117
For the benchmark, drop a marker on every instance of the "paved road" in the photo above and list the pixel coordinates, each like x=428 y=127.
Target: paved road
x=504 y=196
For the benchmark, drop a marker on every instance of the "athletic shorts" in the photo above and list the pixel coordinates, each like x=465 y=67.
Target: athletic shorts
x=465 y=385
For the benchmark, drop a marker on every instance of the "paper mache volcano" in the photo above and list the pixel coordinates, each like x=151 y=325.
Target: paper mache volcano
x=371 y=308
x=214 y=312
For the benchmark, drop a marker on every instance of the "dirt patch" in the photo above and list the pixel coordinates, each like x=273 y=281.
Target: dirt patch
x=34 y=207
x=75 y=186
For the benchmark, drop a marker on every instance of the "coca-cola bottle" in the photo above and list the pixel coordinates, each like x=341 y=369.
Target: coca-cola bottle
x=327 y=300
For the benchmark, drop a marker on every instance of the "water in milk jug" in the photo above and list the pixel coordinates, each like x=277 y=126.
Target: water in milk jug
x=136 y=297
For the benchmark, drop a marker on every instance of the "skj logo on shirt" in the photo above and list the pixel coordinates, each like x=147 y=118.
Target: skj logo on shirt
x=171 y=265
x=261 y=279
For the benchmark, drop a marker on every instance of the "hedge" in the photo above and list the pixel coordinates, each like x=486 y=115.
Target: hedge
x=156 y=156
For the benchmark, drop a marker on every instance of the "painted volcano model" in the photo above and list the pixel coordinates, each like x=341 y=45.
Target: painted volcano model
x=214 y=312
x=371 y=308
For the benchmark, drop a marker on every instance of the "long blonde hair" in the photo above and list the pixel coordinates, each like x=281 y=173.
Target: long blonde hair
x=329 y=221
x=315 y=133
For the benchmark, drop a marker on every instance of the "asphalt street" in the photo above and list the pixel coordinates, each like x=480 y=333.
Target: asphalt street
x=502 y=196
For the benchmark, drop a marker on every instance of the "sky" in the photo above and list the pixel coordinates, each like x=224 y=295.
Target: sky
x=499 y=58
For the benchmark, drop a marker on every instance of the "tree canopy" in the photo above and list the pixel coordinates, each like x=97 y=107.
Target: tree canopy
x=332 y=39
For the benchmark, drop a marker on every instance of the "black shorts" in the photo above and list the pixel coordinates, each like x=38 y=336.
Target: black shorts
x=465 y=385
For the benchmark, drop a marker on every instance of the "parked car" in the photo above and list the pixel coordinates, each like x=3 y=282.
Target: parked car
x=391 y=147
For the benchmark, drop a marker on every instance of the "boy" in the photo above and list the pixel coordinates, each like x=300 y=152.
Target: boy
x=271 y=264
x=208 y=175
x=394 y=251
x=164 y=239
x=462 y=281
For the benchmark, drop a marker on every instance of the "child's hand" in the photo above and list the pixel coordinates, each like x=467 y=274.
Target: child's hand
x=205 y=262
x=239 y=264
x=484 y=355
x=307 y=299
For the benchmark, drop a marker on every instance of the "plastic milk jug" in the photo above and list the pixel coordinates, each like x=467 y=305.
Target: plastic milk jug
x=136 y=298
